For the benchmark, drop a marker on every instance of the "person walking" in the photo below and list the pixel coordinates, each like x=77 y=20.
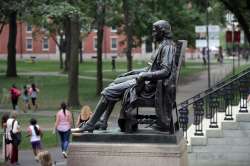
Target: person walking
x=204 y=55
x=12 y=129
x=35 y=133
x=14 y=94
x=7 y=143
x=63 y=125
x=25 y=96
x=33 y=94
x=84 y=116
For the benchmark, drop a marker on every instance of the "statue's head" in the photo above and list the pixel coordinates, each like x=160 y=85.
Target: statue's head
x=161 y=30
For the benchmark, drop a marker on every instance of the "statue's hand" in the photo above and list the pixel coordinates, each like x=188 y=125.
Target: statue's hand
x=141 y=78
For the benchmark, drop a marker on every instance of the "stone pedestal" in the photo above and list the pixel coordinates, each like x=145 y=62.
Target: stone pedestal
x=145 y=148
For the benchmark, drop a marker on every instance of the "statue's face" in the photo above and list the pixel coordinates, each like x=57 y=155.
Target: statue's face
x=157 y=34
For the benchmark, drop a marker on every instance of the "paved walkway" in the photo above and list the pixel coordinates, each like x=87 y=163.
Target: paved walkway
x=57 y=74
x=199 y=82
x=192 y=86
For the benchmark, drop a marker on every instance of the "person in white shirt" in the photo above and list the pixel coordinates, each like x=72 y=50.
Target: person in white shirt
x=12 y=124
x=33 y=94
x=35 y=134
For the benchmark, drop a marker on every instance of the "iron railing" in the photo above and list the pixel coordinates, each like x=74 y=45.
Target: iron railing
x=220 y=98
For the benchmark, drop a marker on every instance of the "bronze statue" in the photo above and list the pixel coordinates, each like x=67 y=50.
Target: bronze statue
x=141 y=83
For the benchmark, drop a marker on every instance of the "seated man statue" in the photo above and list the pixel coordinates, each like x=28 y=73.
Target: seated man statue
x=160 y=69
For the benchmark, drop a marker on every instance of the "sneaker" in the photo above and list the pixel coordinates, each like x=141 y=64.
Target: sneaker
x=64 y=154
x=36 y=158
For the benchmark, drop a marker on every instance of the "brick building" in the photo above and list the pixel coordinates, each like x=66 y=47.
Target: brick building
x=30 y=44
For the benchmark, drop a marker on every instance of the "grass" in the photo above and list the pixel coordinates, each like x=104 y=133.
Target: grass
x=45 y=122
x=48 y=140
x=88 y=68
x=238 y=70
x=53 y=89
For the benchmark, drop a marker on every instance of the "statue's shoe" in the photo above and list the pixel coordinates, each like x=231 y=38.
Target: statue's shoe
x=84 y=128
x=100 y=125
x=160 y=128
x=76 y=130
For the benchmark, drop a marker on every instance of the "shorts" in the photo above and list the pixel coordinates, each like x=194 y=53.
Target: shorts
x=26 y=99
x=33 y=99
x=36 y=144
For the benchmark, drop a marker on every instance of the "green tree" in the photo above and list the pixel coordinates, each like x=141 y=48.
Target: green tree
x=9 y=11
x=100 y=21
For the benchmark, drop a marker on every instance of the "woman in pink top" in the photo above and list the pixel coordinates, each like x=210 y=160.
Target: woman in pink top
x=63 y=125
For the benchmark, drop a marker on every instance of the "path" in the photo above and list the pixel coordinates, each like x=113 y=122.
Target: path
x=197 y=84
x=57 y=74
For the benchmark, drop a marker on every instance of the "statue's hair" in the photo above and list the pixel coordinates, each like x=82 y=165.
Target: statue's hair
x=164 y=27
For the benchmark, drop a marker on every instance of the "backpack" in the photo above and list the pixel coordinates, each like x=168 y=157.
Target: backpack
x=15 y=92
x=16 y=137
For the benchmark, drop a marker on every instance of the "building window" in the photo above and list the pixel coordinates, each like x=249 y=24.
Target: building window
x=29 y=44
x=113 y=29
x=95 y=43
x=113 y=43
x=29 y=28
x=45 y=44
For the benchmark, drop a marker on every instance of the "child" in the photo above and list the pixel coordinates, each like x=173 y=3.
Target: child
x=45 y=158
x=33 y=94
x=35 y=134
x=14 y=93
x=26 y=98
x=84 y=116
x=5 y=117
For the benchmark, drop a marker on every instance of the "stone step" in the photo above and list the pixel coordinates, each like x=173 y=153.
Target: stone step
x=236 y=133
x=221 y=148
x=244 y=125
x=229 y=156
x=198 y=140
x=215 y=132
x=243 y=117
x=230 y=124
x=217 y=163
x=244 y=141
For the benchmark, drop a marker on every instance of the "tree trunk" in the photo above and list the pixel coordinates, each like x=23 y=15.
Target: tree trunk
x=11 y=64
x=61 y=51
x=1 y=27
x=67 y=45
x=100 y=25
x=80 y=49
x=129 y=34
x=73 y=95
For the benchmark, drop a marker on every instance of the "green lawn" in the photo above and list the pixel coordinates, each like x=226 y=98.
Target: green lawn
x=48 y=140
x=88 y=68
x=53 y=89
x=45 y=122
